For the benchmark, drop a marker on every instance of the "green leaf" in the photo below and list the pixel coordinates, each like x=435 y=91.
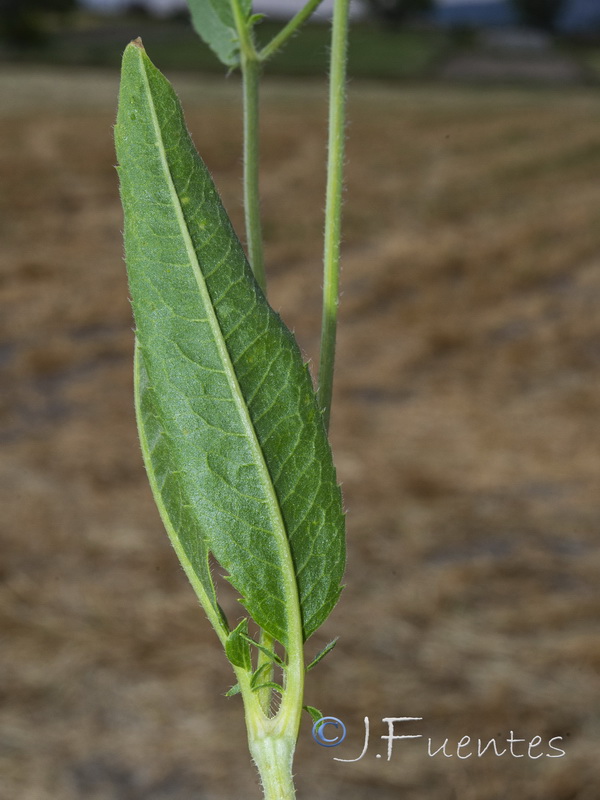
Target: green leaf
x=255 y=19
x=237 y=648
x=321 y=655
x=232 y=437
x=269 y=685
x=214 y=22
x=272 y=656
x=314 y=713
x=259 y=674
x=235 y=689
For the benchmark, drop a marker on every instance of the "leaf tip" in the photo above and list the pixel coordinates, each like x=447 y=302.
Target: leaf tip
x=137 y=43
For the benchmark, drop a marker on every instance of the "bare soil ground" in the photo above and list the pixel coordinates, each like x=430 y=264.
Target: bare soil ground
x=466 y=431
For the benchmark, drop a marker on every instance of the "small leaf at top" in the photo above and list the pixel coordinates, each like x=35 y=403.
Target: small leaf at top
x=214 y=23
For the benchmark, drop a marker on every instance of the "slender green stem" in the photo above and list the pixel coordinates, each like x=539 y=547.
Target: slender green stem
x=250 y=80
x=333 y=203
x=273 y=757
x=272 y=740
x=250 y=77
x=271 y=744
x=284 y=34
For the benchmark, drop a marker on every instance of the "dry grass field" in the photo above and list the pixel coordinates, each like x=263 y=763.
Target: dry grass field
x=466 y=430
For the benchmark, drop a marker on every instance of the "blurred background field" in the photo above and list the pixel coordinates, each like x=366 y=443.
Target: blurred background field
x=466 y=430
x=392 y=39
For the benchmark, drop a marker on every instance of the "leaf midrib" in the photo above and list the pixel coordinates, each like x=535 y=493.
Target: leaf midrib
x=292 y=603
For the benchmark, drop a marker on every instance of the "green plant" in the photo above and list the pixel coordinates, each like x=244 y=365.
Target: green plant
x=233 y=435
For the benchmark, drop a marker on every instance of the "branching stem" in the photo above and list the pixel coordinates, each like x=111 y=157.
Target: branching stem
x=278 y=41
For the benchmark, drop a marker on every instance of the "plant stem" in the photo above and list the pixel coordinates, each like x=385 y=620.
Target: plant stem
x=250 y=65
x=333 y=204
x=272 y=739
x=273 y=758
x=250 y=77
x=278 y=41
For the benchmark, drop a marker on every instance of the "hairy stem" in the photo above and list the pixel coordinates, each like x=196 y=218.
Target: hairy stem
x=250 y=77
x=272 y=739
x=250 y=65
x=333 y=203
x=273 y=758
